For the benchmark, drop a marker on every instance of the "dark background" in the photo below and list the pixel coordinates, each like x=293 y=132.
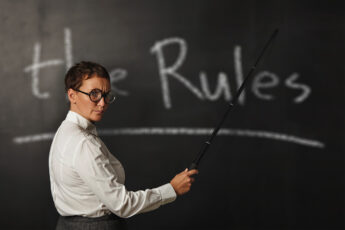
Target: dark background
x=244 y=182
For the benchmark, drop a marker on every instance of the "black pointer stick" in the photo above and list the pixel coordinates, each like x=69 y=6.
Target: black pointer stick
x=207 y=144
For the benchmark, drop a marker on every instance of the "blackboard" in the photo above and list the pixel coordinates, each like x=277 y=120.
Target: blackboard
x=278 y=162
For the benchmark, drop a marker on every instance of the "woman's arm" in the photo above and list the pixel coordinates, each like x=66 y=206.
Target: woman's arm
x=96 y=171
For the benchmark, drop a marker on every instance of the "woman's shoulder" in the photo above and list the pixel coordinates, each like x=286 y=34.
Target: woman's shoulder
x=73 y=130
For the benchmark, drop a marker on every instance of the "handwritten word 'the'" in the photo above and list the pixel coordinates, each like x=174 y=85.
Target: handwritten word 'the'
x=116 y=75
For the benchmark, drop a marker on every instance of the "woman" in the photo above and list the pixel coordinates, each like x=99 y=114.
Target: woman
x=87 y=181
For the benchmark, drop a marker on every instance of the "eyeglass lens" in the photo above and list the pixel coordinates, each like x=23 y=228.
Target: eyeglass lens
x=96 y=95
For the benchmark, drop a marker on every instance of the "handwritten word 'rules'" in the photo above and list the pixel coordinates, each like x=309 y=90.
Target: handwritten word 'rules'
x=261 y=81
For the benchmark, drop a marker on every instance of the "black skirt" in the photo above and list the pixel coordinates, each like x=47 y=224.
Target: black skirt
x=107 y=222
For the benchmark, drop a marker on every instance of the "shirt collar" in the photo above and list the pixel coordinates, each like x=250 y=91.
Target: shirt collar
x=81 y=122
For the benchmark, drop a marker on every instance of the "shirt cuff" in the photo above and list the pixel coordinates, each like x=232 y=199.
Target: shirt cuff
x=168 y=193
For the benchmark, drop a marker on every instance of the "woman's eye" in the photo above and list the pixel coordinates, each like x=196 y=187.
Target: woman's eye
x=94 y=94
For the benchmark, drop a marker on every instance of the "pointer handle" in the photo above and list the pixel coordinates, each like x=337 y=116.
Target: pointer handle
x=192 y=166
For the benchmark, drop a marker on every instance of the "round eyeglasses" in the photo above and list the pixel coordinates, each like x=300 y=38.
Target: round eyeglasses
x=96 y=95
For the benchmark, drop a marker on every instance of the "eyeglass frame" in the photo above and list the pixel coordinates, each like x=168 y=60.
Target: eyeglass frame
x=103 y=95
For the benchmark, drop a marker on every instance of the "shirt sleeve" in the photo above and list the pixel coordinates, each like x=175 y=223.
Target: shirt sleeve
x=95 y=170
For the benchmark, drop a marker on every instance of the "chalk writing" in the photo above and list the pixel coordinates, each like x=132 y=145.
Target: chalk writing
x=115 y=76
x=184 y=131
x=259 y=83
x=239 y=72
x=34 y=69
x=223 y=86
x=68 y=48
x=290 y=82
x=37 y=64
x=165 y=71
x=262 y=80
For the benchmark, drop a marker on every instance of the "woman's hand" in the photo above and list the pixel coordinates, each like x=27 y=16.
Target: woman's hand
x=183 y=181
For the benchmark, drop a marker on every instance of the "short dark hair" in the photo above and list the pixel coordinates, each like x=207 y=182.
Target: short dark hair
x=82 y=71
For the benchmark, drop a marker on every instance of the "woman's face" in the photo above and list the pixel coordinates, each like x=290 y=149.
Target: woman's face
x=81 y=103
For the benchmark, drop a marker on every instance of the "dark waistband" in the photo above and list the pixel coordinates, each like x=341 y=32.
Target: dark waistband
x=111 y=216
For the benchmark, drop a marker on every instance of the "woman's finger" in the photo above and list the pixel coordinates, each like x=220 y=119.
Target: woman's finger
x=192 y=172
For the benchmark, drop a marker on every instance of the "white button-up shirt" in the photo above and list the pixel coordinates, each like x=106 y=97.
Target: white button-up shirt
x=87 y=180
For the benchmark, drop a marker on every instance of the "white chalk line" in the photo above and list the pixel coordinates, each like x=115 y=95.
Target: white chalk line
x=183 y=131
x=68 y=48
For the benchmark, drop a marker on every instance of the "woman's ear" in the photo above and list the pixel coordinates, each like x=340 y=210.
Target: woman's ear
x=72 y=96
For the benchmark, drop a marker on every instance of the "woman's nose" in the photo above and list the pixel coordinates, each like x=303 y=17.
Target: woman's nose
x=101 y=102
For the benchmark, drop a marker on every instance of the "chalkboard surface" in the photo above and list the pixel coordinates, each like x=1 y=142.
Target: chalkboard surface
x=278 y=162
